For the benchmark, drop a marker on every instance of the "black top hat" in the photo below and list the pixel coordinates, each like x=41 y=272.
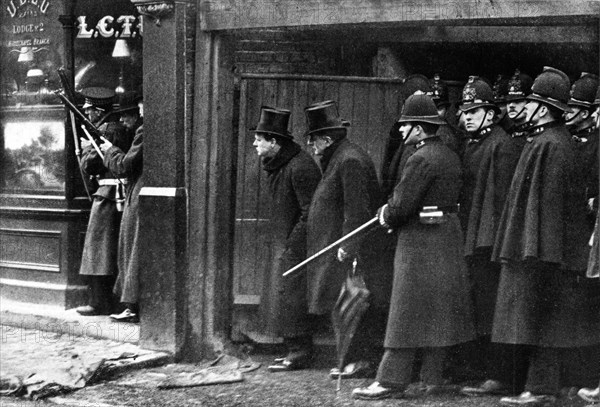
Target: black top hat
x=519 y=86
x=500 y=89
x=274 y=121
x=420 y=107
x=323 y=116
x=98 y=98
x=551 y=87
x=439 y=91
x=129 y=101
x=583 y=91
x=477 y=93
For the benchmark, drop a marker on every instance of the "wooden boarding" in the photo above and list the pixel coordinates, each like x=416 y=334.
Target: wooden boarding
x=370 y=104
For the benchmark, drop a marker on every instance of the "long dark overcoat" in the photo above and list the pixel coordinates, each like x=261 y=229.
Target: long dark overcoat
x=489 y=161
x=99 y=255
x=586 y=152
x=346 y=198
x=293 y=177
x=129 y=165
x=431 y=303
x=543 y=297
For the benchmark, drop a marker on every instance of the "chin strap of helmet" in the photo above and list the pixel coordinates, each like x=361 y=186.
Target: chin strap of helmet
x=528 y=122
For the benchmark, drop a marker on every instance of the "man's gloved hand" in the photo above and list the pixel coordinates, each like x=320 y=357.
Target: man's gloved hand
x=105 y=145
x=342 y=254
x=85 y=143
x=381 y=212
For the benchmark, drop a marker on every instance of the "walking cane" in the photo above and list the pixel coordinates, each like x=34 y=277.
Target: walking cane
x=332 y=246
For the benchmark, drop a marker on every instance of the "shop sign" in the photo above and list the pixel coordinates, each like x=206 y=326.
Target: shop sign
x=123 y=26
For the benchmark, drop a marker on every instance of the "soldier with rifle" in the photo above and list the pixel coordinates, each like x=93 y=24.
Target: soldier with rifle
x=99 y=257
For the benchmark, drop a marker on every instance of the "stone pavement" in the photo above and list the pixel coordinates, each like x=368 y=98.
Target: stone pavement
x=61 y=345
x=56 y=319
x=43 y=340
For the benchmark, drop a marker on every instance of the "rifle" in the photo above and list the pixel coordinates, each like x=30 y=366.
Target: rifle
x=94 y=133
x=71 y=96
x=91 y=132
x=332 y=246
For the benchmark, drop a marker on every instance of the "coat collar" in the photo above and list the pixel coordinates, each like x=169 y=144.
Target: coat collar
x=283 y=156
x=330 y=151
x=427 y=141
x=583 y=135
x=537 y=130
x=481 y=134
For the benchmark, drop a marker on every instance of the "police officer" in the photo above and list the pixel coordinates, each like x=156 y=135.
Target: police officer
x=396 y=151
x=544 y=299
x=519 y=87
x=489 y=161
x=99 y=257
x=449 y=135
x=582 y=126
x=500 y=90
x=430 y=307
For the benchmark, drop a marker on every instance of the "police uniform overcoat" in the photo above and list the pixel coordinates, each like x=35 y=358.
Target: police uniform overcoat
x=293 y=177
x=99 y=255
x=431 y=304
x=347 y=197
x=489 y=160
x=543 y=297
x=586 y=151
x=129 y=165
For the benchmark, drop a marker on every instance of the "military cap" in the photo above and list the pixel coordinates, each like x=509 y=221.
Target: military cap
x=519 y=86
x=273 y=121
x=439 y=91
x=500 y=89
x=323 y=116
x=129 y=101
x=597 y=99
x=98 y=98
x=477 y=93
x=551 y=87
x=420 y=107
x=583 y=91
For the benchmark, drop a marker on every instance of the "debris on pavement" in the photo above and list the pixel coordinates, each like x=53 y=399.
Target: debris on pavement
x=224 y=369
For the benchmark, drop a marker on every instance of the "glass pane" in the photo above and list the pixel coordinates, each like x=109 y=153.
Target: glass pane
x=108 y=46
x=33 y=160
x=32 y=49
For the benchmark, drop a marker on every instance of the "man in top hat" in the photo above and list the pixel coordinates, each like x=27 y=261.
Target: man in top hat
x=347 y=197
x=99 y=257
x=544 y=301
x=519 y=86
x=489 y=160
x=582 y=126
x=449 y=135
x=293 y=177
x=430 y=308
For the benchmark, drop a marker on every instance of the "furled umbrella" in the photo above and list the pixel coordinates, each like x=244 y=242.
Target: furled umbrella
x=349 y=308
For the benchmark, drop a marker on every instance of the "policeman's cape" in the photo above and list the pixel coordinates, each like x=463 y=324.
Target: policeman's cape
x=544 y=214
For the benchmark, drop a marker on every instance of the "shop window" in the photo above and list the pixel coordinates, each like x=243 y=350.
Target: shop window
x=33 y=134
x=107 y=53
